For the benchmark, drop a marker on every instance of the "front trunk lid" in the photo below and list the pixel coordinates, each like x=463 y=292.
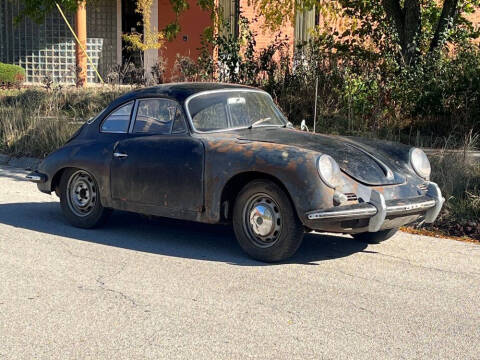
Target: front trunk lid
x=352 y=158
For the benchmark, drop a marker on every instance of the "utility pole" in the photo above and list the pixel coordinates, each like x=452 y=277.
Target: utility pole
x=80 y=56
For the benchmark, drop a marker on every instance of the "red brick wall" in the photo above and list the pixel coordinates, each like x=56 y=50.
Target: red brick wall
x=265 y=37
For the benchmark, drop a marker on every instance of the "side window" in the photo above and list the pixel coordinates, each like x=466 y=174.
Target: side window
x=119 y=120
x=156 y=116
x=213 y=117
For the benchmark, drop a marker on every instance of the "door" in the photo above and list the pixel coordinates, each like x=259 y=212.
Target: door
x=160 y=166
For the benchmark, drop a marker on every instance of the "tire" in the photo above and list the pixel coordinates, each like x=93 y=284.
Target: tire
x=265 y=222
x=376 y=237
x=80 y=199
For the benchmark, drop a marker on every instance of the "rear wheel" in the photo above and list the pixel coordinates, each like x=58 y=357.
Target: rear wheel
x=376 y=237
x=265 y=223
x=80 y=199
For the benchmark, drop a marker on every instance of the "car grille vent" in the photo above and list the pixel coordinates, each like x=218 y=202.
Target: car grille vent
x=351 y=196
x=423 y=187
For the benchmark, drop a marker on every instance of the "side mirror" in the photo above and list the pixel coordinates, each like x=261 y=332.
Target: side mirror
x=303 y=126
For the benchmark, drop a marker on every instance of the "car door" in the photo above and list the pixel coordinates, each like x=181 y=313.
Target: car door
x=159 y=168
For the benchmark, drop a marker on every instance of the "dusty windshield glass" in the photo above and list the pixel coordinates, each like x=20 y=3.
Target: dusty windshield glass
x=234 y=109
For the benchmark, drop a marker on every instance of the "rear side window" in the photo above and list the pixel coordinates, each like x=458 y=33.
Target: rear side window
x=119 y=120
x=158 y=117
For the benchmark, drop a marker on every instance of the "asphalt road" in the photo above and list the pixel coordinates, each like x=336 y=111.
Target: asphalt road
x=143 y=288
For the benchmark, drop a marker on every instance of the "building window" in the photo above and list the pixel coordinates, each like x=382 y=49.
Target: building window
x=305 y=21
x=231 y=16
x=48 y=49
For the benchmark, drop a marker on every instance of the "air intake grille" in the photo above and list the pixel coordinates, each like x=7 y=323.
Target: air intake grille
x=423 y=187
x=351 y=196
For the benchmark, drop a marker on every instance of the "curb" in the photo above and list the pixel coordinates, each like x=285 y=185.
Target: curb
x=26 y=163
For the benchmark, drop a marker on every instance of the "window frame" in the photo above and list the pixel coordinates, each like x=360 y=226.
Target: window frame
x=133 y=118
x=111 y=112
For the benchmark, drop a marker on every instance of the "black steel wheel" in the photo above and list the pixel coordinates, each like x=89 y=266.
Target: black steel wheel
x=265 y=223
x=80 y=199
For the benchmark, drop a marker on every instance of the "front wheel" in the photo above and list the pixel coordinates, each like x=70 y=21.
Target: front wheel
x=265 y=223
x=376 y=237
x=80 y=199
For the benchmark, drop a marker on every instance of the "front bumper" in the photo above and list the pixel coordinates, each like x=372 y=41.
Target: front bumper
x=37 y=177
x=41 y=180
x=377 y=210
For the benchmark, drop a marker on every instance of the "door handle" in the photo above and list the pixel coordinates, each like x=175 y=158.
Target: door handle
x=119 y=155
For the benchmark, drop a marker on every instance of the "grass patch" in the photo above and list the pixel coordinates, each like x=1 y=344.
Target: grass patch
x=459 y=179
x=34 y=121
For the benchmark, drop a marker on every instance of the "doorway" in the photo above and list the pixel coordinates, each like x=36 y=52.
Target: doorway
x=132 y=22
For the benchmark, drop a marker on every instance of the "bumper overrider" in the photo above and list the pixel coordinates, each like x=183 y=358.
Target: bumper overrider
x=377 y=210
x=41 y=180
x=37 y=177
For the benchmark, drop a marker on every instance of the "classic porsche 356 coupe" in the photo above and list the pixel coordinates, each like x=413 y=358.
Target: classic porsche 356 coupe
x=218 y=153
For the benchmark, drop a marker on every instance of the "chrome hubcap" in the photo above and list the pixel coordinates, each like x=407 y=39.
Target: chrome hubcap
x=82 y=194
x=262 y=220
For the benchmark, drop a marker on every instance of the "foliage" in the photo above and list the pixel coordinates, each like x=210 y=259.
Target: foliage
x=411 y=27
x=459 y=179
x=37 y=121
x=11 y=74
x=37 y=9
x=185 y=69
x=151 y=38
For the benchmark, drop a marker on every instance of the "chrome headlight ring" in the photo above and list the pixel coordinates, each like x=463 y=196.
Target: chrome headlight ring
x=420 y=163
x=328 y=170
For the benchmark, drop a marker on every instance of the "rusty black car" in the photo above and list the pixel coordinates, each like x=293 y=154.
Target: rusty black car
x=219 y=153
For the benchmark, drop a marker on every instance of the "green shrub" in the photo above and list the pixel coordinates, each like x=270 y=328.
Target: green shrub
x=11 y=74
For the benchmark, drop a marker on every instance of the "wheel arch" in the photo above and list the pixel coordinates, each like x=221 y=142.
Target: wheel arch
x=55 y=183
x=236 y=183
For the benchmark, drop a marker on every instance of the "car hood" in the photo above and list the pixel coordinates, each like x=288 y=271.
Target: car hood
x=353 y=157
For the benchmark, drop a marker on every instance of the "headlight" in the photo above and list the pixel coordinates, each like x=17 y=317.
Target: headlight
x=420 y=163
x=328 y=170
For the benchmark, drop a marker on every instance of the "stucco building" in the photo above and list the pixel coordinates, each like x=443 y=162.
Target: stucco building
x=48 y=49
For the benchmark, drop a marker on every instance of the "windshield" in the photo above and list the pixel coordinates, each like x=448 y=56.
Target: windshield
x=224 y=110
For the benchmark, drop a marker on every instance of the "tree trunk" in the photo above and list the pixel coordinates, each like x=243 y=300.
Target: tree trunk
x=413 y=28
x=407 y=22
x=395 y=14
x=449 y=13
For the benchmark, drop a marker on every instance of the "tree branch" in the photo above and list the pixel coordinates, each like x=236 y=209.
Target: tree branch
x=449 y=13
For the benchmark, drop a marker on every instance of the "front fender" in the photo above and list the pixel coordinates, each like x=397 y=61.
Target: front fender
x=294 y=167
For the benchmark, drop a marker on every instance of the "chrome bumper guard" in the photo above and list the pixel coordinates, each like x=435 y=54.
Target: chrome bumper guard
x=377 y=209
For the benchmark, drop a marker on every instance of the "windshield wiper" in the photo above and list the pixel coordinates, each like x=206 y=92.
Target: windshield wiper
x=258 y=122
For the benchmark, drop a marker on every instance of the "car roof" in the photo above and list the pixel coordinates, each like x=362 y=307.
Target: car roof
x=179 y=91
